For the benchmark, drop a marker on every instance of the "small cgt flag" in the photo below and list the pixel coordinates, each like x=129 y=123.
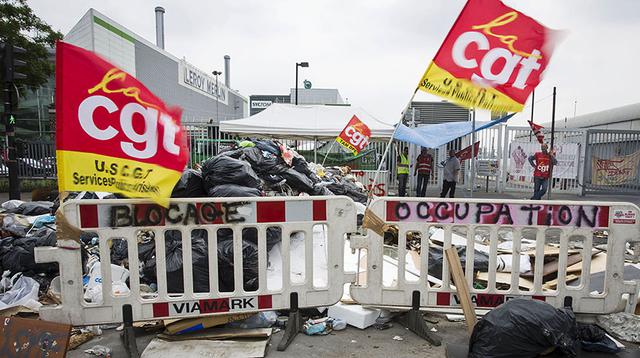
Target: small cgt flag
x=112 y=133
x=355 y=136
x=536 y=129
x=492 y=58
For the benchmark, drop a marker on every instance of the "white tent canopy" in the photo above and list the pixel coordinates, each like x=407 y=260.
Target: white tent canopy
x=288 y=120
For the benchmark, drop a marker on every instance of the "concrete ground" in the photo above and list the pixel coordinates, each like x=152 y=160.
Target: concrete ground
x=351 y=342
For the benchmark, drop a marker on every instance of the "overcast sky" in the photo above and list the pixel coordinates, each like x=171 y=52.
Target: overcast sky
x=375 y=52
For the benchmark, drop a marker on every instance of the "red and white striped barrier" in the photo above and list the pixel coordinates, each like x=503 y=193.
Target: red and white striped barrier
x=125 y=219
x=458 y=221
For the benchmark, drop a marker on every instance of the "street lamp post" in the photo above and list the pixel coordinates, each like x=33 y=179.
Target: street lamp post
x=299 y=64
x=217 y=73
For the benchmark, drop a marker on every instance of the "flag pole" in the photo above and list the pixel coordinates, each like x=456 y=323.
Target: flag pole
x=473 y=151
x=533 y=102
x=329 y=151
x=386 y=150
x=553 y=130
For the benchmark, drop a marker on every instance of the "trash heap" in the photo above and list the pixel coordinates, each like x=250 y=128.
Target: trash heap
x=266 y=168
x=25 y=225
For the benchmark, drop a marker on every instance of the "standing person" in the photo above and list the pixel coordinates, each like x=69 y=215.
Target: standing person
x=403 y=171
x=424 y=170
x=450 y=174
x=541 y=162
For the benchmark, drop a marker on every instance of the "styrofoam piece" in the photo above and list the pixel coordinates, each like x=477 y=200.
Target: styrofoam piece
x=355 y=315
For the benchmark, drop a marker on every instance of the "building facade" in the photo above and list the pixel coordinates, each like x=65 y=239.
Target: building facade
x=259 y=102
x=203 y=97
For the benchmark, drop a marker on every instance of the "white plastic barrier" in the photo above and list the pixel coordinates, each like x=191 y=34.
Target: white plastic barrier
x=544 y=221
x=125 y=219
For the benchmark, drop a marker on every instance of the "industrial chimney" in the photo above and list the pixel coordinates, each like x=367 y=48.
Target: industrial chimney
x=160 y=27
x=227 y=71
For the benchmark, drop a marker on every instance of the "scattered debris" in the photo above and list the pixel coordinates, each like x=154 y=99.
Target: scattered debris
x=622 y=325
x=455 y=317
x=398 y=338
x=354 y=315
x=100 y=351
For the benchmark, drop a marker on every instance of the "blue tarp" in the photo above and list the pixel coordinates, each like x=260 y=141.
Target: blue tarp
x=436 y=135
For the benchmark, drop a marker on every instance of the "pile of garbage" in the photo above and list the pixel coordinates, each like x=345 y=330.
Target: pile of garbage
x=266 y=168
x=25 y=226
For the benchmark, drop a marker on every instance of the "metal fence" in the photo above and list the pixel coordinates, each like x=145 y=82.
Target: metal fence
x=602 y=161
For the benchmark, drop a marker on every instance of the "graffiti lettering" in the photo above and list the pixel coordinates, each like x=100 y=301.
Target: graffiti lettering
x=504 y=214
x=185 y=214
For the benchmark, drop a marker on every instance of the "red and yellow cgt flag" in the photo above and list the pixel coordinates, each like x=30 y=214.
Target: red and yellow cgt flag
x=492 y=58
x=355 y=136
x=112 y=133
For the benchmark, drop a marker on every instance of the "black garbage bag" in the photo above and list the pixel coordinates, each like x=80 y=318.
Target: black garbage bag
x=345 y=187
x=119 y=251
x=264 y=162
x=17 y=253
x=300 y=165
x=249 y=265
x=233 y=153
x=223 y=169
x=271 y=178
x=593 y=339
x=480 y=260
x=298 y=181
x=232 y=190
x=269 y=146
x=190 y=185
x=321 y=190
x=524 y=328
x=173 y=250
x=33 y=208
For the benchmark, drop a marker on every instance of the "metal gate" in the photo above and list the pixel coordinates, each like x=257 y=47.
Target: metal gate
x=201 y=226
x=570 y=144
x=462 y=223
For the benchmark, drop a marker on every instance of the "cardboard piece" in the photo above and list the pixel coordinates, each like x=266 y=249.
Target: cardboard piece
x=196 y=324
x=24 y=337
x=354 y=315
x=159 y=348
x=505 y=278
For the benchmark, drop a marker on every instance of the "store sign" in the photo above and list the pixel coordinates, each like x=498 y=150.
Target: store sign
x=260 y=104
x=193 y=78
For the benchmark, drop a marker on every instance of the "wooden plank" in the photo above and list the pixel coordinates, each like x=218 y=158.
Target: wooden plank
x=462 y=287
x=24 y=337
x=214 y=334
x=551 y=285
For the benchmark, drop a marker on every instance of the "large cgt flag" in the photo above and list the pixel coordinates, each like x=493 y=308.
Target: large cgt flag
x=492 y=58
x=112 y=133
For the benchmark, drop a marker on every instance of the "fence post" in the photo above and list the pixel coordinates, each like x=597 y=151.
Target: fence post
x=584 y=150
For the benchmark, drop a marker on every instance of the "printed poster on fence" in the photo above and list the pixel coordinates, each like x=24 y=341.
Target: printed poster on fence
x=492 y=58
x=615 y=171
x=112 y=134
x=355 y=136
x=567 y=154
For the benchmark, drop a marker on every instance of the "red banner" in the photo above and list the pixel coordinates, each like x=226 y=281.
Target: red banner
x=113 y=134
x=465 y=153
x=355 y=136
x=536 y=129
x=492 y=58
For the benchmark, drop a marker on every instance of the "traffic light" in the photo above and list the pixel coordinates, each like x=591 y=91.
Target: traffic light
x=10 y=63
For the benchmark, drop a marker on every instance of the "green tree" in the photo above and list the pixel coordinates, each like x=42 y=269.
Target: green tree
x=20 y=26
